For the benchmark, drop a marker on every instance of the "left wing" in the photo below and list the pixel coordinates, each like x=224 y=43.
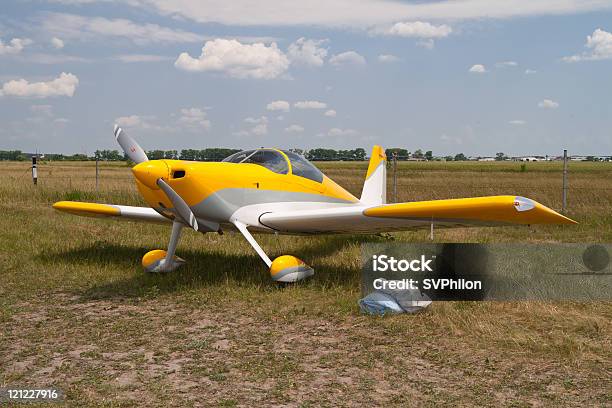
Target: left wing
x=462 y=212
x=107 y=210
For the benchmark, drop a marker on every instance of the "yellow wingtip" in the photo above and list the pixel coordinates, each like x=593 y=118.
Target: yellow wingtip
x=86 y=209
x=502 y=209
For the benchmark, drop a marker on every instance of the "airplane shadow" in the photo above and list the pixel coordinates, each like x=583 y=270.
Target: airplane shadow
x=205 y=267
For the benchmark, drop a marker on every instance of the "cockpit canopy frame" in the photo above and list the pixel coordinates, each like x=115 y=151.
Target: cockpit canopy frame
x=278 y=161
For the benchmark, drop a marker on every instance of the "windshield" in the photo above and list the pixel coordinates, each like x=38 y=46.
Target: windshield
x=270 y=159
x=303 y=168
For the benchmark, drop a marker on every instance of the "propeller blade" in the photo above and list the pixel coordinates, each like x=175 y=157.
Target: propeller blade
x=180 y=205
x=129 y=146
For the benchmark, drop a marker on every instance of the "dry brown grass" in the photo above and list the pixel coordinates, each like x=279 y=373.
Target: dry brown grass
x=77 y=312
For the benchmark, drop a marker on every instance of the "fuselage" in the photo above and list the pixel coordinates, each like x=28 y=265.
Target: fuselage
x=217 y=191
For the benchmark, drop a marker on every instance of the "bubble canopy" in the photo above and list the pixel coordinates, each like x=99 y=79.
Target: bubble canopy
x=278 y=162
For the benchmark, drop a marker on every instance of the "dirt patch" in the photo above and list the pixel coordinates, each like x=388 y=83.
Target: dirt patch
x=160 y=352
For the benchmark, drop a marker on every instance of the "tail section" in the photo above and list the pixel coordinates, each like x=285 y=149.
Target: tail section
x=375 y=187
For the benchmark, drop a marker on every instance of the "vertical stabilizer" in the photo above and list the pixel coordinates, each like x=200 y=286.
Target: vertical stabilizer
x=375 y=187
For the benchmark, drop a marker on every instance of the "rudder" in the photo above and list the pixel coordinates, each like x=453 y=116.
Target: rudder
x=375 y=186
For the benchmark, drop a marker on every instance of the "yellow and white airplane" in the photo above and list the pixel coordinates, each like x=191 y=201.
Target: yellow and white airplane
x=278 y=191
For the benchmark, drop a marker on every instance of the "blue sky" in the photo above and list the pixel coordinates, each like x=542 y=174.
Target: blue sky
x=468 y=76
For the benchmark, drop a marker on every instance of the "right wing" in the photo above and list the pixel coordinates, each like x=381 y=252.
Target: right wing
x=462 y=212
x=125 y=212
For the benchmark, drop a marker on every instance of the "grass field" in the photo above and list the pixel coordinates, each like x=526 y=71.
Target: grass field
x=77 y=312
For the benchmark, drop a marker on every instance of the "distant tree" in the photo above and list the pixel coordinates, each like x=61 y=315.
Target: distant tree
x=418 y=154
x=320 y=154
x=460 y=157
x=171 y=154
x=500 y=156
x=344 y=155
x=12 y=155
x=359 y=154
x=448 y=158
x=155 y=154
x=402 y=154
x=297 y=151
x=188 y=154
x=215 y=154
x=77 y=157
x=429 y=155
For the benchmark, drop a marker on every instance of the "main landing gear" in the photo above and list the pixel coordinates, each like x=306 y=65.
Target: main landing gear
x=285 y=268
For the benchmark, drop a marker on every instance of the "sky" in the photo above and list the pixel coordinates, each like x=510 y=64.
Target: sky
x=472 y=76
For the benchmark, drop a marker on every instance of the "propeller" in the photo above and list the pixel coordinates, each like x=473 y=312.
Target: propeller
x=180 y=205
x=137 y=155
x=129 y=146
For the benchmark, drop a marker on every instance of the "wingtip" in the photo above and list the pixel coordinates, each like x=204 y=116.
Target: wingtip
x=554 y=217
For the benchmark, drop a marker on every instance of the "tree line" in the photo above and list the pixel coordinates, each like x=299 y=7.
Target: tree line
x=218 y=154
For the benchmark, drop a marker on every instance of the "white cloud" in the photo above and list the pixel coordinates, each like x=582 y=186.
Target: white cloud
x=451 y=139
x=347 y=58
x=478 y=69
x=387 y=58
x=506 y=64
x=15 y=46
x=341 y=132
x=517 y=122
x=294 y=129
x=51 y=58
x=363 y=13
x=428 y=44
x=416 y=29
x=330 y=113
x=194 y=117
x=186 y=120
x=129 y=121
x=86 y=28
x=147 y=122
x=307 y=52
x=253 y=120
x=278 y=106
x=237 y=60
x=260 y=126
x=310 y=105
x=129 y=58
x=44 y=110
x=548 y=104
x=57 y=43
x=260 y=130
x=64 y=85
x=530 y=71
x=599 y=47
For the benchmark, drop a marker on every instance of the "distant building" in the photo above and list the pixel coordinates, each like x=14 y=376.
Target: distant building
x=531 y=158
x=39 y=155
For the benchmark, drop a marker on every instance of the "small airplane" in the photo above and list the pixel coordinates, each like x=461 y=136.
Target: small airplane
x=278 y=191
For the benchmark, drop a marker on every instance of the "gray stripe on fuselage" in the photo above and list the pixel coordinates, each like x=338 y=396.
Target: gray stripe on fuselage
x=220 y=205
